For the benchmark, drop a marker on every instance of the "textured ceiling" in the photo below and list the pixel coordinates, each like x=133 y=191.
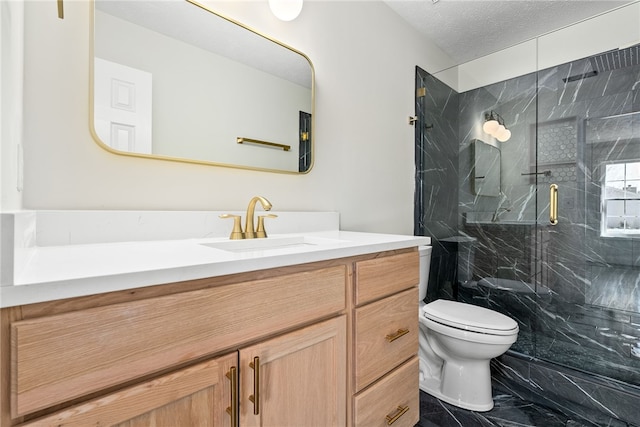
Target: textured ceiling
x=468 y=29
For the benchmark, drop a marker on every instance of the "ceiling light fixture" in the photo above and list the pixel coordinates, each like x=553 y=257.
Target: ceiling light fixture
x=286 y=10
x=494 y=126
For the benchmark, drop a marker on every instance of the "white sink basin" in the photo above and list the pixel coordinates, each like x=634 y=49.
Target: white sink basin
x=270 y=243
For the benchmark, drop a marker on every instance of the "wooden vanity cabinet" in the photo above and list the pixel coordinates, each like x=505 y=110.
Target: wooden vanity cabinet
x=292 y=346
x=385 y=325
x=299 y=382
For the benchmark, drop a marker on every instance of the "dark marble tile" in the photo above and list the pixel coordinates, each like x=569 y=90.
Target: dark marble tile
x=578 y=395
x=509 y=411
x=589 y=325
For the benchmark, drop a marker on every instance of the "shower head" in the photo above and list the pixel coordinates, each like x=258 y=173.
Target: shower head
x=609 y=61
x=616 y=59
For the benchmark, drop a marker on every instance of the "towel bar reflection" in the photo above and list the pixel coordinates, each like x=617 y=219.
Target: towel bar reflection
x=242 y=140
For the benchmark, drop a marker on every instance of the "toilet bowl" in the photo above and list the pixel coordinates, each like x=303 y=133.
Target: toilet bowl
x=457 y=342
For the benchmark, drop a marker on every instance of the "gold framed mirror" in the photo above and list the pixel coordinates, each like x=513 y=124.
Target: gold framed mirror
x=173 y=80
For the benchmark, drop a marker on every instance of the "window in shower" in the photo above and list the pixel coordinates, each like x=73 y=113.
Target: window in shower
x=621 y=199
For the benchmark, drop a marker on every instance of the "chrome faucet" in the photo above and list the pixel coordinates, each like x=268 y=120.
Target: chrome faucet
x=249 y=229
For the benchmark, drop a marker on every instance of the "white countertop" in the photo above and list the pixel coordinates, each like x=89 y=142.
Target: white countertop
x=45 y=273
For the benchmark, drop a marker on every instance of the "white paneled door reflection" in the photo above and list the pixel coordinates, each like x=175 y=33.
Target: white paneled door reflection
x=123 y=106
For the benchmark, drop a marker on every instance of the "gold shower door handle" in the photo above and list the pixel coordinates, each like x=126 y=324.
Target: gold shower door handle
x=553 y=204
x=233 y=409
x=255 y=397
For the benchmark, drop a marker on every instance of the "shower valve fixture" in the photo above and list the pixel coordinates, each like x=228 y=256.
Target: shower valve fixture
x=494 y=126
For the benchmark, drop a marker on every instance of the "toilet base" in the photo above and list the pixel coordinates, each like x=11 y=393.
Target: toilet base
x=465 y=384
x=432 y=386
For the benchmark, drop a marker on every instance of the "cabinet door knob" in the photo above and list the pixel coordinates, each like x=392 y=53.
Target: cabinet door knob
x=255 y=397
x=396 y=335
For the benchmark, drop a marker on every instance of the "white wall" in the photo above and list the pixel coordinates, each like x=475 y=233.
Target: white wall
x=11 y=41
x=364 y=57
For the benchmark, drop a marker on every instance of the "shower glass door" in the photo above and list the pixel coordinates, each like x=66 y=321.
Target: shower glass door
x=573 y=287
x=588 y=138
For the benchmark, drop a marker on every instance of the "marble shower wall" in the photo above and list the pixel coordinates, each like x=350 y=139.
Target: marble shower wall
x=577 y=267
x=501 y=250
x=582 y=310
x=578 y=306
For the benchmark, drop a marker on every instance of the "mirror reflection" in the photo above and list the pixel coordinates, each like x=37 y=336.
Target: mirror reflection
x=173 y=80
x=486 y=169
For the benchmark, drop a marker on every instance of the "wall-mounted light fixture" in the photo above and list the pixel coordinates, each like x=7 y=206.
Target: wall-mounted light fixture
x=494 y=126
x=286 y=10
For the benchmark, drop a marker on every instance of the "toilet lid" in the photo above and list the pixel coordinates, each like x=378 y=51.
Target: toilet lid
x=470 y=317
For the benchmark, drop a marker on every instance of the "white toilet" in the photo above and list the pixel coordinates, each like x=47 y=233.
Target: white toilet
x=457 y=341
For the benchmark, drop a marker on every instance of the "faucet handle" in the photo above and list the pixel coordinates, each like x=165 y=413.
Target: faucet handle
x=236 y=233
x=261 y=232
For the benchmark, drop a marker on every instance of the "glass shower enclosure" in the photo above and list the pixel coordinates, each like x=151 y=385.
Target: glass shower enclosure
x=573 y=159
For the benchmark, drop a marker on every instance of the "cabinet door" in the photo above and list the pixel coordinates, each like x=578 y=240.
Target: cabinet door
x=298 y=379
x=195 y=396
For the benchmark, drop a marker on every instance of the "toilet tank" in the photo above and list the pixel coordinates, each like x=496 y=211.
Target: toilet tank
x=425 y=262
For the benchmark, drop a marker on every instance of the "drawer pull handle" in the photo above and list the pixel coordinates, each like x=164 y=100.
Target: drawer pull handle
x=399 y=412
x=395 y=336
x=233 y=409
x=255 y=397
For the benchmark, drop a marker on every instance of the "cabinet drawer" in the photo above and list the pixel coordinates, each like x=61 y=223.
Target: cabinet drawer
x=379 y=277
x=386 y=334
x=60 y=357
x=395 y=396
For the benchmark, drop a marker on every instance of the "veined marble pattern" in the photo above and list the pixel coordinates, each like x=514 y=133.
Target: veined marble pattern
x=584 y=310
x=579 y=396
x=571 y=126
x=602 y=341
x=509 y=411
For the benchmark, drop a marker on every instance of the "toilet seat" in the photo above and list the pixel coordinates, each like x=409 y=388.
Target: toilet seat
x=468 y=317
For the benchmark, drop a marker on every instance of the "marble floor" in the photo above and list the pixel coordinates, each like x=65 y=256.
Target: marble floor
x=508 y=411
